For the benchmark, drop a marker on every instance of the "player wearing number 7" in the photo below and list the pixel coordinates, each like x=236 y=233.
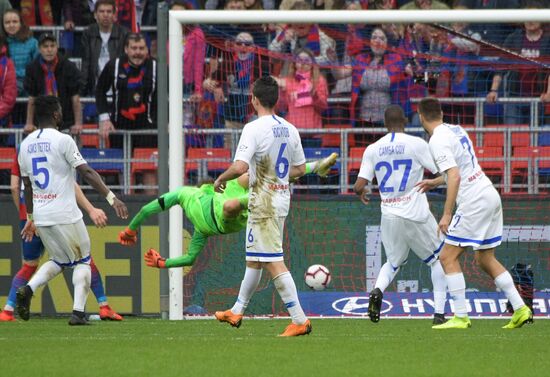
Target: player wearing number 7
x=398 y=160
x=477 y=221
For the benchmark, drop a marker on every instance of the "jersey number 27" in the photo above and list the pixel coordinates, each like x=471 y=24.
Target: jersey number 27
x=407 y=163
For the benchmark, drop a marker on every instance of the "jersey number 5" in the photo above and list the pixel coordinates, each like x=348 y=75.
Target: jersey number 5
x=40 y=170
x=389 y=169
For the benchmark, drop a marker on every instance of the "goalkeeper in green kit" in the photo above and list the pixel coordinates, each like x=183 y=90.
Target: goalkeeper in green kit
x=210 y=212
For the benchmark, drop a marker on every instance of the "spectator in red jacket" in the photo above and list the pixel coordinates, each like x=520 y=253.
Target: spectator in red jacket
x=8 y=87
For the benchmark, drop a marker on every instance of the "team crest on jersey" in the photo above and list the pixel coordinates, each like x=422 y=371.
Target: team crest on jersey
x=77 y=155
x=243 y=148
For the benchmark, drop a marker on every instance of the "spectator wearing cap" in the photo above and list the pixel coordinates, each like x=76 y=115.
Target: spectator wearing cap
x=52 y=74
x=101 y=42
x=231 y=80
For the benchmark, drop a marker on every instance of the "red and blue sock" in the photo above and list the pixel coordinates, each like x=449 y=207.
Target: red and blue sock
x=96 y=284
x=20 y=279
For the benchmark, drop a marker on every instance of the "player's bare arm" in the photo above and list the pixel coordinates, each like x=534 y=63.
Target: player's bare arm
x=361 y=188
x=93 y=178
x=453 y=183
x=297 y=171
x=429 y=184
x=236 y=169
x=29 y=230
x=98 y=216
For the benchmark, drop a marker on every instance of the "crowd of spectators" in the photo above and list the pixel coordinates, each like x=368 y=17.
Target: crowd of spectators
x=367 y=67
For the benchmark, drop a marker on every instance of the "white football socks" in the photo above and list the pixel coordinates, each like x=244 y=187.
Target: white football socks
x=439 y=287
x=457 y=290
x=505 y=283
x=287 y=290
x=249 y=284
x=82 y=276
x=385 y=276
x=45 y=273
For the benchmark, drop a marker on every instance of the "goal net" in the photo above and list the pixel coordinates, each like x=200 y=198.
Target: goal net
x=337 y=73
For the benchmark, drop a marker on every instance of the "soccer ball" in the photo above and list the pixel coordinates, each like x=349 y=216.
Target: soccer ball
x=317 y=277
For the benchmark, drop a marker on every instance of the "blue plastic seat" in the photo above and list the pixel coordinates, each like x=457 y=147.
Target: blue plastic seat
x=94 y=158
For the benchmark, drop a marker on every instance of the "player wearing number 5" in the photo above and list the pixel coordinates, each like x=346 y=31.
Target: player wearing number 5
x=47 y=160
x=398 y=160
x=477 y=221
x=271 y=150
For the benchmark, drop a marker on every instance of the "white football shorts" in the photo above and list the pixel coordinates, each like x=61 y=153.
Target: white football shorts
x=400 y=235
x=67 y=244
x=478 y=222
x=264 y=239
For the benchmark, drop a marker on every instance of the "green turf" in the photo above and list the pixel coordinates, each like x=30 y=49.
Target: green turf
x=149 y=347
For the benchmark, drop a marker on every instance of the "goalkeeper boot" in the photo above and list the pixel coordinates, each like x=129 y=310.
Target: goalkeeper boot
x=228 y=316
x=23 y=302
x=108 y=314
x=454 y=323
x=297 y=330
x=7 y=316
x=78 y=321
x=439 y=319
x=375 y=304
x=519 y=318
x=322 y=168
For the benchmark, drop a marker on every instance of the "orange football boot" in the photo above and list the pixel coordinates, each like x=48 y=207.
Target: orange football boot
x=108 y=314
x=228 y=316
x=297 y=330
x=7 y=316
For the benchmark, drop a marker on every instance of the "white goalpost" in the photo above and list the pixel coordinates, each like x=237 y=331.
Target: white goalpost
x=178 y=18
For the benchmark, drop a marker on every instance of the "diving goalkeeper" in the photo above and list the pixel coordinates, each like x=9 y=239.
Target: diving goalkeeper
x=210 y=212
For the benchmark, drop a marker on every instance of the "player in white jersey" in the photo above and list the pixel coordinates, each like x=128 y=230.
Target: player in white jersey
x=477 y=221
x=47 y=160
x=398 y=160
x=271 y=151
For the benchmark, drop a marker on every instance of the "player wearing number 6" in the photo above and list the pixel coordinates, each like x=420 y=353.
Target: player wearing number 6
x=271 y=151
x=398 y=160
x=48 y=159
x=477 y=221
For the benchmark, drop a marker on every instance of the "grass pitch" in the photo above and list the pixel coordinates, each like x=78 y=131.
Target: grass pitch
x=151 y=347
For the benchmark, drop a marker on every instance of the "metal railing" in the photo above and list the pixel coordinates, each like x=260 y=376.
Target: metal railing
x=529 y=172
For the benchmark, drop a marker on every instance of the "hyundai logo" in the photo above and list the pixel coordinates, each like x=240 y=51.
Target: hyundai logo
x=358 y=305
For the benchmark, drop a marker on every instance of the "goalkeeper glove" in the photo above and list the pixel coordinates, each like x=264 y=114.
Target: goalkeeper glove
x=128 y=237
x=153 y=259
x=323 y=167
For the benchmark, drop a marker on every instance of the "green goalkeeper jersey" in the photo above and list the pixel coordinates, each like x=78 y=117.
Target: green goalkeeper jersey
x=204 y=208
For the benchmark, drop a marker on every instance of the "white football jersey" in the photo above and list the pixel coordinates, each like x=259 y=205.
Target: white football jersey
x=450 y=146
x=398 y=161
x=49 y=158
x=270 y=146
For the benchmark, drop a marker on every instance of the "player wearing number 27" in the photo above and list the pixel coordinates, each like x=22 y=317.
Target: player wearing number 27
x=477 y=221
x=398 y=160
x=47 y=160
x=271 y=150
